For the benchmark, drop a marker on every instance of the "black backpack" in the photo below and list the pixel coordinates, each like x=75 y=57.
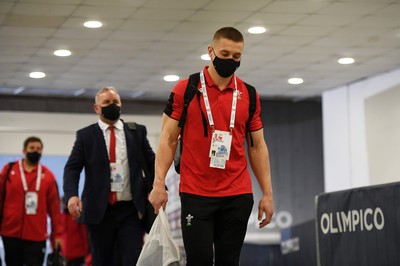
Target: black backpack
x=190 y=92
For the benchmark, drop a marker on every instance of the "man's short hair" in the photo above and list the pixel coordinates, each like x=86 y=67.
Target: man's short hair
x=32 y=139
x=229 y=33
x=103 y=90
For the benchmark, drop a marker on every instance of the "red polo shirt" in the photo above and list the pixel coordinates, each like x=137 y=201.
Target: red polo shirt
x=197 y=177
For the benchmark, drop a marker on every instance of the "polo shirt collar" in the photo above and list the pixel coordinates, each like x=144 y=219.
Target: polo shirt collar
x=210 y=83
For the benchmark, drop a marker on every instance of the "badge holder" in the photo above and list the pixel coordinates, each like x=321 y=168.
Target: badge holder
x=117 y=177
x=31 y=202
x=220 y=148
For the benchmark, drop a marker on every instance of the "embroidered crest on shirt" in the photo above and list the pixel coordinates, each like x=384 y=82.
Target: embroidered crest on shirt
x=189 y=220
x=239 y=96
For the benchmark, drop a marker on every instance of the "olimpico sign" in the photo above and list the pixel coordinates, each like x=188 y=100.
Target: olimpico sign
x=352 y=221
x=359 y=226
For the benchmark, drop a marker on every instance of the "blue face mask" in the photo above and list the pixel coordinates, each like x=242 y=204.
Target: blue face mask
x=225 y=67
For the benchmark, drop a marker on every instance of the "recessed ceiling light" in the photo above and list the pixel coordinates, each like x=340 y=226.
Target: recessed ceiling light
x=79 y=92
x=62 y=53
x=37 y=75
x=19 y=90
x=346 y=61
x=205 y=57
x=295 y=81
x=257 y=30
x=93 y=24
x=171 y=78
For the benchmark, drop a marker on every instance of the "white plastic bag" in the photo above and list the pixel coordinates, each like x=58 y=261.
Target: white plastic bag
x=159 y=248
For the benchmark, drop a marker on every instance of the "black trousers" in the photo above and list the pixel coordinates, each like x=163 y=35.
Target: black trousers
x=213 y=228
x=118 y=239
x=19 y=252
x=76 y=262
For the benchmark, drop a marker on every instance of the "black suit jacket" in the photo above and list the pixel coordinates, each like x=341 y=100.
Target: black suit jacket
x=90 y=152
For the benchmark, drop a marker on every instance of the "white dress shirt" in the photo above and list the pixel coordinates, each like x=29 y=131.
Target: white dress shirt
x=120 y=154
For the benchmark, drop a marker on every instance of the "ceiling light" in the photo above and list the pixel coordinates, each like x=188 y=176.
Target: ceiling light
x=346 y=60
x=19 y=90
x=62 y=53
x=37 y=75
x=257 y=30
x=79 y=92
x=205 y=57
x=93 y=24
x=137 y=94
x=295 y=81
x=171 y=78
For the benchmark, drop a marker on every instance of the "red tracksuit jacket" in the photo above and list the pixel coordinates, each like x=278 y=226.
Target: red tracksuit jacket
x=15 y=222
x=75 y=243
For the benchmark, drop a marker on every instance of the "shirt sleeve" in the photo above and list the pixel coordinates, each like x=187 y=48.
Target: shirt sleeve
x=175 y=103
x=53 y=205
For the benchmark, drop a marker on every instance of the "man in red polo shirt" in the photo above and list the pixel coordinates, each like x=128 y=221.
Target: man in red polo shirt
x=215 y=185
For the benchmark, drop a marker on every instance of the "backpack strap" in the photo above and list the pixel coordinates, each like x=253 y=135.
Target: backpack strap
x=252 y=108
x=143 y=165
x=203 y=116
x=10 y=165
x=191 y=90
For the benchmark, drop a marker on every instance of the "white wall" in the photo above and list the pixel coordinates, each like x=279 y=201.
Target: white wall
x=346 y=162
x=57 y=130
x=382 y=116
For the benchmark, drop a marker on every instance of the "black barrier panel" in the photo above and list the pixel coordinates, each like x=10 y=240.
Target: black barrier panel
x=298 y=245
x=359 y=226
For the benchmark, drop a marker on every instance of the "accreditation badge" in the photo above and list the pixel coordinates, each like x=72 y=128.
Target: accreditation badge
x=220 y=148
x=117 y=177
x=31 y=202
x=217 y=162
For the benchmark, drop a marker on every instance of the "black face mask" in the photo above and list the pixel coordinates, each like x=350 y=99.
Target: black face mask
x=33 y=157
x=111 y=112
x=225 y=67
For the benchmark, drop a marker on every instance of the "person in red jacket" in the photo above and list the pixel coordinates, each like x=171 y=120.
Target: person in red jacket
x=75 y=242
x=31 y=194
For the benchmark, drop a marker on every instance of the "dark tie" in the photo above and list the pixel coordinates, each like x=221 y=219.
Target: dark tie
x=112 y=197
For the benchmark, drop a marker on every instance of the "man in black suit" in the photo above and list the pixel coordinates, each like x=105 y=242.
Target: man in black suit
x=114 y=194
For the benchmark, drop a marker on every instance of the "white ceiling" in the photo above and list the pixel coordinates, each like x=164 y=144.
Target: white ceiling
x=143 y=40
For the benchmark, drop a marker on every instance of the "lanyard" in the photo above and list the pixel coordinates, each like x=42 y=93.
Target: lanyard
x=207 y=103
x=38 y=179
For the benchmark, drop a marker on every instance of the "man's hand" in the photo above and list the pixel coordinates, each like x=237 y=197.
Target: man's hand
x=57 y=243
x=75 y=206
x=158 y=197
x=265 y=207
